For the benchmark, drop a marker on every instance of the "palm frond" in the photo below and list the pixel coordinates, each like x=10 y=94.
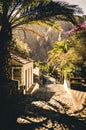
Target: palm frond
x=44 y=10
x=50 y=9
x=49 y=22
x=23 y=11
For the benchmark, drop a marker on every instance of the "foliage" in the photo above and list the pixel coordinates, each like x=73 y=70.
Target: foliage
x=57 y=53
x=69 y=54
x=47 y=69
x=21 y=48
x=52 y=71
x=42 y=66
x=79 y=41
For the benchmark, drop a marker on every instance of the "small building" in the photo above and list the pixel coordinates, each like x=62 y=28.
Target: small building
x=22 y=71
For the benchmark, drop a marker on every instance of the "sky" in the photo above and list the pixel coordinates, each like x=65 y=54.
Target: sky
x=80 y=3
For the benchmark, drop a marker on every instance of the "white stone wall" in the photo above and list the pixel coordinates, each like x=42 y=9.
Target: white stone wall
x=29 y=68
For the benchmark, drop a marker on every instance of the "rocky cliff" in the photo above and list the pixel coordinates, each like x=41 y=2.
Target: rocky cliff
x=40 y=39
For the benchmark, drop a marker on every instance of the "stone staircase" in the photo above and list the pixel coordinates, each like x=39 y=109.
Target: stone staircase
x=79 y=97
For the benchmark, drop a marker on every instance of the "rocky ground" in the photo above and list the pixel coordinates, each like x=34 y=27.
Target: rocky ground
x=50 y=108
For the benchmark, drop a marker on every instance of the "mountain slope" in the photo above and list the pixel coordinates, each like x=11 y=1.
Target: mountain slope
x=40 y=39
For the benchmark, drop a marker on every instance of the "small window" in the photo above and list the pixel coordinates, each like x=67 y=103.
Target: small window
x=17 y=74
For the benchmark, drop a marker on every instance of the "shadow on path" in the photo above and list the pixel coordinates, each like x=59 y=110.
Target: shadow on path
x=34 y=112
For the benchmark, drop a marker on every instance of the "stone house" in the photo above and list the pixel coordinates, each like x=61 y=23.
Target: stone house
x=22 y=71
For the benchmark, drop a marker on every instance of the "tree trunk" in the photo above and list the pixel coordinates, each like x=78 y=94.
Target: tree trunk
x=5 y=38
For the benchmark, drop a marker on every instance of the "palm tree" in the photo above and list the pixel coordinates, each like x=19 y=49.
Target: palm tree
x=14 y=13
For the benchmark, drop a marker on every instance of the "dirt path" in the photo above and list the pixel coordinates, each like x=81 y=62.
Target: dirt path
x=50 y=108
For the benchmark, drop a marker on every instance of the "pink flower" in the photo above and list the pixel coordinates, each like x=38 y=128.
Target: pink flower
x=77 y=28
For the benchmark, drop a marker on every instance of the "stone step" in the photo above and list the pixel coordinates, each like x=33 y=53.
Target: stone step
x=33 y=88
x=79 y=97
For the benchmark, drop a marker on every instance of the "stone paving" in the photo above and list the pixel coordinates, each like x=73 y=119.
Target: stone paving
x=50 y=108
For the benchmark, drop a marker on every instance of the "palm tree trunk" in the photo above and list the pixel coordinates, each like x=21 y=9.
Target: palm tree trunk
x=5 y=38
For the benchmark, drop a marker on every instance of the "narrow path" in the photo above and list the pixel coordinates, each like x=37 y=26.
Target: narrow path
x=50 y=108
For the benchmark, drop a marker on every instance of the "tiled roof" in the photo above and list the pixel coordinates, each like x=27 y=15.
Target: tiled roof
x=20 y=59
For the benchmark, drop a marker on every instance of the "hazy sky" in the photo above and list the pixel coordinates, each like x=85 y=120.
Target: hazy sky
x=81 y=3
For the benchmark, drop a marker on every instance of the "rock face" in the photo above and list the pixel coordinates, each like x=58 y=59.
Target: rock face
x=40 y=39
